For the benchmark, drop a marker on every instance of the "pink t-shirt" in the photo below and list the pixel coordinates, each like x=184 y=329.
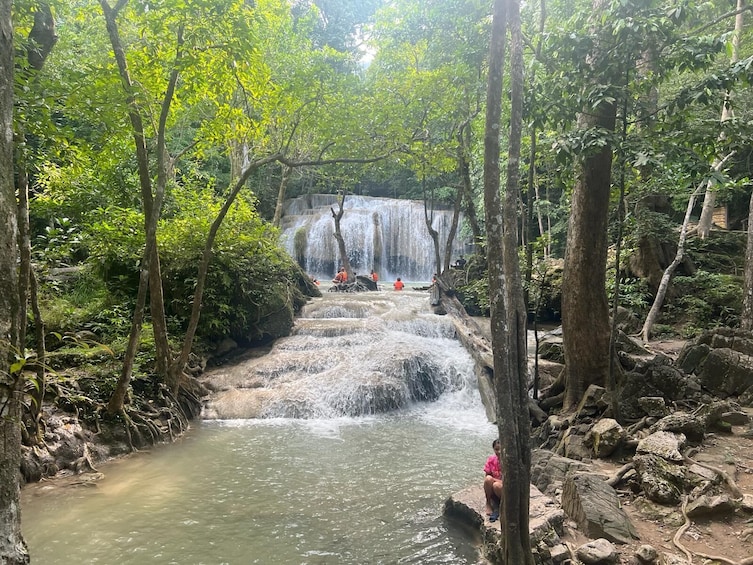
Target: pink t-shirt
x=492 y=467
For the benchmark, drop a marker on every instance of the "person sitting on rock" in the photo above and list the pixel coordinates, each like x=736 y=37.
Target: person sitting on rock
x=374 y=276
x=493 y=482
x=341 y=276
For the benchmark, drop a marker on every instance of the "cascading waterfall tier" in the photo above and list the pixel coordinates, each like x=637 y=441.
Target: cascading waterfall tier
x=349 y=356
x=384 y=234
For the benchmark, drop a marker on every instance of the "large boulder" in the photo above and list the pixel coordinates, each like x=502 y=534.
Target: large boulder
x=605 y=437
x=593 y=505
x=656 y=377
x=548 y=470
x=661 y=480
x=726 y=372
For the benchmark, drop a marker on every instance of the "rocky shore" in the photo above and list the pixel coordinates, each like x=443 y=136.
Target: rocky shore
x=673 y=486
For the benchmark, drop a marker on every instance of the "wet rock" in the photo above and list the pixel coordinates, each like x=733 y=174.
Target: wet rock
x=594 y=506
x=597 y=552
x=546 y=524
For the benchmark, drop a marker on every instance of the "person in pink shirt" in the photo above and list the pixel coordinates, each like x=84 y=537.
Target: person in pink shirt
x=493 y=482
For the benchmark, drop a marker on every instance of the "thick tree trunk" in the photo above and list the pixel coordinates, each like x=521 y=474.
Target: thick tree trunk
x=13 y=549
x=508 y=316
x=746 y=317
x=585 y=311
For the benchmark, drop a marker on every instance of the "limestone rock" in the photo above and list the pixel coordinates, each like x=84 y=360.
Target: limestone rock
x=548 y=470
x=660 y=480
x=726 y=372
x=654 y=406
x=663 y=444
x=597 y=552
x=594 y=506
x=707 y=505
x=546 y=523
x=647 y=554
x=692 y=427
x=605 y=437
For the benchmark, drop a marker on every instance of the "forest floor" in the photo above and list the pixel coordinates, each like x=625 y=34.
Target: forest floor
x=728 y=536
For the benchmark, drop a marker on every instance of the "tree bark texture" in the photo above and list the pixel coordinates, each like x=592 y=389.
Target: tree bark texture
x=469 y=206
x=337 y=216
x=282 y=190
x=508 y=316
x=13 y=549
x=709 y=202
x=585 y=310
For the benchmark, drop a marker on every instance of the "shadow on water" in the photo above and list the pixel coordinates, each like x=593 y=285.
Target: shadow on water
x=337 y=486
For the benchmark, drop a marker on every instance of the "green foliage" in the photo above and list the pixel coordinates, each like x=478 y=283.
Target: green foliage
x=721 y=252
x=475 y=297
x=707 y=300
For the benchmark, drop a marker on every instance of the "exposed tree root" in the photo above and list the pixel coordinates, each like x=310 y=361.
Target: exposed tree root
x=729 y=481
x=689 y=554
x=681 y=530
x=615 y=479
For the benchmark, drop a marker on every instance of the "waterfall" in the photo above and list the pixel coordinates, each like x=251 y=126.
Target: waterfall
x=349 y=356
x=384 y=234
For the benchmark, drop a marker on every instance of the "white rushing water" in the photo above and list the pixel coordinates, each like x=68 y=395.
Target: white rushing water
x=335 y=489
x=384 y=234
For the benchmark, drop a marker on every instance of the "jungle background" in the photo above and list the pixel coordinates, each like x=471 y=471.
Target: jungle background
x=156 y=142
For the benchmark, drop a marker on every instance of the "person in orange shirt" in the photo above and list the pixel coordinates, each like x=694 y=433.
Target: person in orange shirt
x=374 y=276
x=341 y=276
x=398 y=284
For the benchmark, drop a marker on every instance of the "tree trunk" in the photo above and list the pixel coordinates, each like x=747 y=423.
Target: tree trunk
x=428 y=217
x=337 y=216
x=13 y=549
x=508 y=316
x=193 y=323
x=152 y=203
x=286 y=170
x=746 y=317
x=464 y=139
x=452 y=231
x=585 y=311
x=709 y=202
x=653 y=313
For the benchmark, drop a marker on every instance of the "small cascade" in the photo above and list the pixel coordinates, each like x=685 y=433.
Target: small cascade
x=349 y=356
x=384 y=234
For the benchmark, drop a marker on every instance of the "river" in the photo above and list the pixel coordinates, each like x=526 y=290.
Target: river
x=348 y=489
